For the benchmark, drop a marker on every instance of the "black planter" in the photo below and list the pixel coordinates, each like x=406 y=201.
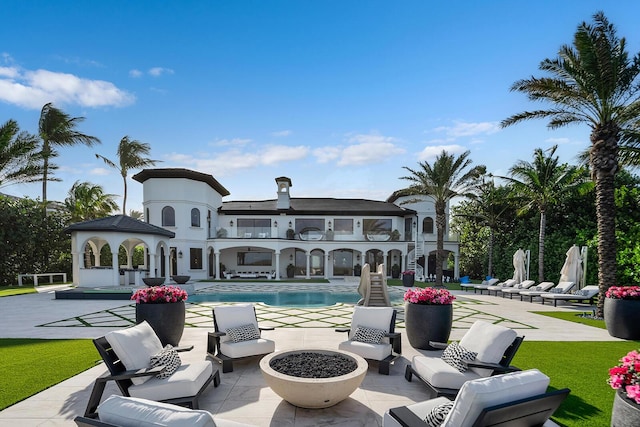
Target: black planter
x=408 y=279
x=167 y=320
x=625 y=412
x=181 y=280
x=622 y=318
x=153 y=281
x=426 y=323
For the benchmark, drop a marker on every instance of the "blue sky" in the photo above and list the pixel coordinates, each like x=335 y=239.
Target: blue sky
x=336 y=95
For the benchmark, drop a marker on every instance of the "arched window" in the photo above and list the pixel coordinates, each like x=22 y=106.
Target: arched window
x=168 y=216
x=427 y=225
x=195 y=217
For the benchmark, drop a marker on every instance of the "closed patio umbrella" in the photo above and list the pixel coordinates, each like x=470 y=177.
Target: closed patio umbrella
x=572 y=268
x=519 y=266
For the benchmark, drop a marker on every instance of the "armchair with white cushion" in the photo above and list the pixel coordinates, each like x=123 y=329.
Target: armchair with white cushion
x=372 y=336
x=518 y=399
x=236 y=335
x=485 y=350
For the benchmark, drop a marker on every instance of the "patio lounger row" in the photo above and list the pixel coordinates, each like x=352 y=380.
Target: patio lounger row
x=545 y=288
x=586 y=294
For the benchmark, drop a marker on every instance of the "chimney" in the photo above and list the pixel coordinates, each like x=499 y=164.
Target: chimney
x=284 y=202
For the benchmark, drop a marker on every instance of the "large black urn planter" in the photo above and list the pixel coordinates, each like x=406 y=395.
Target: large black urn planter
x=166 y=319
x=408 y=279
x=626 y=412
x=622 y=317
x=426 y=323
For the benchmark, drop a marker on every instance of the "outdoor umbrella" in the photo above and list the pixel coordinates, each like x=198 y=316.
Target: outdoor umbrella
x=572 y=268
x=519 y=267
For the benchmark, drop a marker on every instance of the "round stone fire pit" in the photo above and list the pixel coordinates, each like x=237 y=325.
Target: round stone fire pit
x=314 y=393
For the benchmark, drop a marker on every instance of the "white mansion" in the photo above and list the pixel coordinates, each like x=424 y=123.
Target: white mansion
x=313 y=237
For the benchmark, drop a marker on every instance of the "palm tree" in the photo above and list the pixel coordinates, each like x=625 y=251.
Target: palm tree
x=57 y=128
x=20 y=161
x=543 y=184
x=87 y=201
x=449 y=177
x=130 y=156
x=593 y=82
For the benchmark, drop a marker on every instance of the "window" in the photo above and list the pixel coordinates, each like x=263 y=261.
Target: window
x=343 y=262
x=146 y=217
x=376 y=226
x=254 y=258
x=195 y=217
x=427 y=225
x=195 y=256
x=254 y=227
x=168 y=216
x=408 y=228
x=310 y=228
x=343 y=226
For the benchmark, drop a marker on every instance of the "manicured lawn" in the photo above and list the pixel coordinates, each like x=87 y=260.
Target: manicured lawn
x=28 y=366
x=573 y=317
x=6 y=291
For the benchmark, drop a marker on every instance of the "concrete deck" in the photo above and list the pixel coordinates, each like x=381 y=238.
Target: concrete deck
x=243 y=395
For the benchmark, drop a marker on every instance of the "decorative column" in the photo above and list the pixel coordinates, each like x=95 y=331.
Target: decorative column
x=308 y=275
x=115 y=281
x=277 y=265
x=326 y=265
x=216 y=256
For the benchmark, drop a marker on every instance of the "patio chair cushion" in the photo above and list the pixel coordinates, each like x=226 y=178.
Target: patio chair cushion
x=244 y=333
x=368 y=335
x=233 y=316
x=439 y=373
x=187 y=380
x=437 y=414
x=239 y=349
x=135 y=346
x=556 y=291
x=131 y=411
x=167 y=357
x=371 y=317
x=366 y=350
x=455 y=355
x=489 y=341
x=474 y=396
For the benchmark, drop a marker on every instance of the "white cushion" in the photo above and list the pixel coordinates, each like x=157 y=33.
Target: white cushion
x=366 y=350
x=489 y=341
x=233 y=316
x=135 y=346
x=482 y=393
x=371 y=317
x=438 y=373
x=186 y=381
x=564 y=286
x=131 y=411
x=247 y=348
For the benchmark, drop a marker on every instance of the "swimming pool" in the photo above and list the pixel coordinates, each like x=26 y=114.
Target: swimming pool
x=280 y=298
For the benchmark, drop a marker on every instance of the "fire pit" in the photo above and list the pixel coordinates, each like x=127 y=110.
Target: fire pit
x=302 y=386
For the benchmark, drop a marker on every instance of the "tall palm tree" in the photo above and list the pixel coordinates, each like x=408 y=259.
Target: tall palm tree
x=593 y=82
x=57 y=128
x=131 y=155
x=448 y=177
x=542 y=184
x=20 y=161
x=87 y=201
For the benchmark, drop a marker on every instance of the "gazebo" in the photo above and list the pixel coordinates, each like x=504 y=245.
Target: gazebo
x=117 y=231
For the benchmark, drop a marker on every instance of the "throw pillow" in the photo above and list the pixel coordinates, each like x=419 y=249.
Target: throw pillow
x=167 y=357
x=556 y=291
x=437 y=414
x=455 y=355
x=582 y=292
x=244 y=333
x=368 y=335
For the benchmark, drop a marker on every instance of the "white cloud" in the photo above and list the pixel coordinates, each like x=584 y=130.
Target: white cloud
x=460 y=129
x=430 y=152
x=100 y=171
x=135 y=73
x=327 y=154
x=558 y=140
x=282 y=153
x=232 y=142
x=282 y=133
x=33 y=89
x=362 y=149
x=158 y=71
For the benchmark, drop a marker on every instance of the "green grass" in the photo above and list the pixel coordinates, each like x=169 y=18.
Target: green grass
x=28 y=366
x=7 y=291
x=573 y=317
x=581 y=366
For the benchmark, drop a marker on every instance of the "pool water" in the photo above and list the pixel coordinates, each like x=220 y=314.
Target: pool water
x=281 y=298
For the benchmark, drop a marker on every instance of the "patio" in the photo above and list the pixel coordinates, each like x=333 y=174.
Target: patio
x=243 y=395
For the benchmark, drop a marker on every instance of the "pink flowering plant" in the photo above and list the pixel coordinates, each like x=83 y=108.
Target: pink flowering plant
x=623 y=292
x=626 y=375
x=429 y=296
x=408 y=272
x=159 y=295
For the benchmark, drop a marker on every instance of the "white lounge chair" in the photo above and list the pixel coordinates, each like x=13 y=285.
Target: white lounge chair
x=485 y=285
x=514 y=399
x=561 y=288
x=498 y=287
x=536 y=291
x=527 y=284
x=588 y=293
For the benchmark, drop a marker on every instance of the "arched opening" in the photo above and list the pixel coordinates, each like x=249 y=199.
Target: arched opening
x=168 y=217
